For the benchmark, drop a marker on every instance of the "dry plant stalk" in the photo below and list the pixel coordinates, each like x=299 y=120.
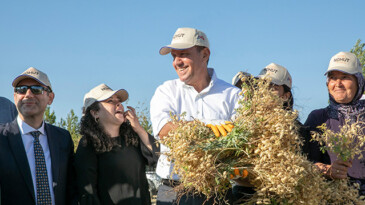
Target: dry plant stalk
x=346 y=144
x=265 y=141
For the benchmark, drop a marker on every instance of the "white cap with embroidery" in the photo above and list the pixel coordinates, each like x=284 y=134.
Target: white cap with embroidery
x=185 y=38
x=35 y=74
x=101 y=93
x=278 y=74
x=345 y=62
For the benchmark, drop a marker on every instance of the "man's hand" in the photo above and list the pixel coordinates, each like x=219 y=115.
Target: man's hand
x=222 y=129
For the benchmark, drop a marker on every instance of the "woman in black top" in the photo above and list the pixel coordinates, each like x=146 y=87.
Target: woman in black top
x=113 y=152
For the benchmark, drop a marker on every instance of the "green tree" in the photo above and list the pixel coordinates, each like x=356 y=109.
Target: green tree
x=359 y=51
x=72 y=125
x=49 y=117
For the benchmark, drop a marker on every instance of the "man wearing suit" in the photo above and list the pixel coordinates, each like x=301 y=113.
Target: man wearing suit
x=36 y=158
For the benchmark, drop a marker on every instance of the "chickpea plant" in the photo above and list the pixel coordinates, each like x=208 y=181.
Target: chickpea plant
x=264 y=147
x=346 y=144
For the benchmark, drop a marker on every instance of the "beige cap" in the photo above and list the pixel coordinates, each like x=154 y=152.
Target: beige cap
x=34 y=74
x=278 y=74
x=238 y=77
x=345 y=62
x=185 y=38
x=103 y=92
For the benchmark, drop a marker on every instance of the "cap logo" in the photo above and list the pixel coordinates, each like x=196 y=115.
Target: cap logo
x=105 y=88
x=341 y=60
x=265 y=70
x=179 y=35
x=201 y=37
x=31 y=72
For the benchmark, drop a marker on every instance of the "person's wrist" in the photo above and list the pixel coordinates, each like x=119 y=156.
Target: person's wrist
x=325 y=169
x=140 y=131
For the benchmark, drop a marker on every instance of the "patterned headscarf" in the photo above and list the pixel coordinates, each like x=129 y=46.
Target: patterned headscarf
x=355 y=110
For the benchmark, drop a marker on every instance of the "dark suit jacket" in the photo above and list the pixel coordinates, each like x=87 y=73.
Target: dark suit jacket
x=15 y=178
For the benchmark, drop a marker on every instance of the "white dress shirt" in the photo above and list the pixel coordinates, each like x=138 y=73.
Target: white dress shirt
x=217 y=102
x=28 y=139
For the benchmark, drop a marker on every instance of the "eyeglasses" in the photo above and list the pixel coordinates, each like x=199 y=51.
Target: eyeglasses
x=36 y=89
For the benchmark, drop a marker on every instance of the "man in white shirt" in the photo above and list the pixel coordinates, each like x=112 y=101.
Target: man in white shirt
x=36 y=158
x=197 y=93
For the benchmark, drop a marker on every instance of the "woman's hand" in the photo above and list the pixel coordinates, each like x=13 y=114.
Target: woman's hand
x=131 y=116
x=339 y=169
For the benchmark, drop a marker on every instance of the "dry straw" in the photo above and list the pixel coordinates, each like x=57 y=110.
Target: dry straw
x=264 y=141
x=347 y=144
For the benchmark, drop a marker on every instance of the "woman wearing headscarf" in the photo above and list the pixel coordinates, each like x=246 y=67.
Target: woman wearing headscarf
x=113 y=152
x=345 y=84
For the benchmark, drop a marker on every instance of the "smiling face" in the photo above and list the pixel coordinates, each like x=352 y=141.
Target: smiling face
x=342 y=87
x=111 y=112
x=191 y=64
x=32 y=106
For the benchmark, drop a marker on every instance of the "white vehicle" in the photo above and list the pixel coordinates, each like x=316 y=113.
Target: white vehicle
x=154 y=182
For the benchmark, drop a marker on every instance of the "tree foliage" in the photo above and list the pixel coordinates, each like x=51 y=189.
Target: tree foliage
x=359 y=51
x=71 y=123
x=49 y=117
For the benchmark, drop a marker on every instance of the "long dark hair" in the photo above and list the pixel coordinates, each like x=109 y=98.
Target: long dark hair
x=94 y=132
x=288 y=105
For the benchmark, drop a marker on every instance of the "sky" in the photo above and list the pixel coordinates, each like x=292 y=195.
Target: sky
x=81 y=44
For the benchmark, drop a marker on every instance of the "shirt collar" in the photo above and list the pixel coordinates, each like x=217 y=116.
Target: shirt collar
x=26 y=129
x=213 y=77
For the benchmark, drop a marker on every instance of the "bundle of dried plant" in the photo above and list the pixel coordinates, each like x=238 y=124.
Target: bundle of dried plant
x=347 y=144
x=265 y=143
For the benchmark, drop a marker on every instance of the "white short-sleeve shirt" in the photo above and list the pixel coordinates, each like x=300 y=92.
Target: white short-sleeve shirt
x=218 y=101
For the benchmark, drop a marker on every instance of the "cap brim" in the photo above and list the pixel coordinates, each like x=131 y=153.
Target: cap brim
x=178 y=46
x=24 y=76
x=340 y=69
x=236 y=78
x=273 y=80
x=121 y=93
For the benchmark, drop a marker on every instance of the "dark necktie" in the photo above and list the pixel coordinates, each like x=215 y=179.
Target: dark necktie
x=43 y=193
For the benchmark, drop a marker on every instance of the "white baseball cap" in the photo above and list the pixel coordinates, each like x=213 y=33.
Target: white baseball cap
x=278 y=74
x=35 y=74
x=238 y=77
x=345 y=62
x=101 y=93
x=185 y=38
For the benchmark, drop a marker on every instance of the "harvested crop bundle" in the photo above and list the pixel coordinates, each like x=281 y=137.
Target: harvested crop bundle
x=264 y=147
x=346 y=144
